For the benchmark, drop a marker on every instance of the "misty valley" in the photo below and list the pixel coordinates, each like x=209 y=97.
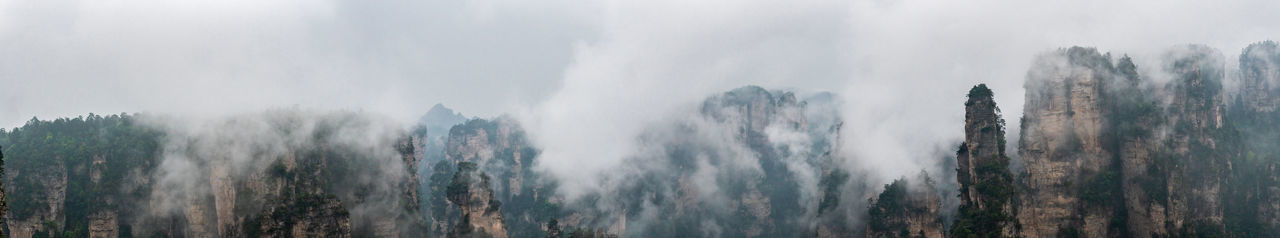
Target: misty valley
x=1107 y=145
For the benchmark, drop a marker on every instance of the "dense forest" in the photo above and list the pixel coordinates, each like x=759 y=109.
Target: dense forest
x=76 y=149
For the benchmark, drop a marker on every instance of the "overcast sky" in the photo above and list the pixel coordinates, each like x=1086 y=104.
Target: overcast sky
x=593 y=71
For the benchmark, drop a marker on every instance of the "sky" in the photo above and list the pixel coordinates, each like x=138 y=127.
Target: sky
x=583 y=76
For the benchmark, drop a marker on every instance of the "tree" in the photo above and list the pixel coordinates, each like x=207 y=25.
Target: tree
x=553 y=229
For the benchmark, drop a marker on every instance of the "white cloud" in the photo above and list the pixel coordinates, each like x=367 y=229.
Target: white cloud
x=655 y=57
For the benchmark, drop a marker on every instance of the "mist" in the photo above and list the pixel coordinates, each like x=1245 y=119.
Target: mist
x=204 y=160
x=601 y=86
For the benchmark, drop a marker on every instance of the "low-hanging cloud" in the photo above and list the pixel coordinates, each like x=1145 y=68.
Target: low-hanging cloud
x=228 y=163
x=902 y=67
x=398 y=58
x=588 y=79
x=658 y=56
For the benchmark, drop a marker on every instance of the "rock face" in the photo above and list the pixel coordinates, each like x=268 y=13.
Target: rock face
x=1063 y=145
x=48 y=203
x=288 y=175
x=986 y=189
x=429 y=138
x=751 y=113
x=104 y=225
x=1260 y=77
x=310 y=216
x=1254 y=114
x=481 y=213
x=499 y=149
x=1109 y=153
x=907 y=208
x=291 y=204
x=293 y=198
x=497 y=146
x=1200 y=164
x=753 y=109
x=745 y=163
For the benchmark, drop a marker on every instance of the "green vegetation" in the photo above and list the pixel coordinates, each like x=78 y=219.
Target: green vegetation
x=553 y=229
x=4 y=207
x=438 y=204
x=988 y=218
x=890 y=209
x=980 y=91
x=45 y=150
x=892 y=202
x=532 y=202
x=588 y=233
x=1254 y=172
x=830 y=185
x=107 y=164
x=993 y=208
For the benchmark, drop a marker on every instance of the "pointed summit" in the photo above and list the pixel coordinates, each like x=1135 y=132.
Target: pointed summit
x=441 y=115
x=986 y=185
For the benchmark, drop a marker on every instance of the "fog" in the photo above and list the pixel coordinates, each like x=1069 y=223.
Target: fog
x=586 y=78
x=222 y=153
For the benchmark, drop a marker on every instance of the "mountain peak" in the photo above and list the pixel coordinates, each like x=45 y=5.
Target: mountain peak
x=441 y=115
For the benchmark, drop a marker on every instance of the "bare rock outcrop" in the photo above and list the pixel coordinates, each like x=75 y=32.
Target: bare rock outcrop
x=1062 y=144
x=986 y=186
x=907 y=208
x=1200 y=166
x=481 y=213
x=1260 y=77
x=105 y=224
x=1254 y=114
x=1108 y=153
x=48 y=204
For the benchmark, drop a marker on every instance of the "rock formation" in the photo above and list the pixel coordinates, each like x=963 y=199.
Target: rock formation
x=1109 y=153
x=1256 y=180
x=100 y=180
x=907 y=208
x=47 y=211
x=499 y=149
x=481 y=213
x=1260 y=77
x=986 y=186
x=1199 y=164
x=1064 y=145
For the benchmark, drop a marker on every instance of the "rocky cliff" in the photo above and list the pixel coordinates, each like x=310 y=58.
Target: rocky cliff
x=481 y=212
x=43 y=210
x=907 y=208
x=434 y=172
x=1064 y=144
x=1110 y=152
x=1260 y=77
x=497 y=146
x=499 y=149
x=283 y=173
x=987 y=193
x=745 y=163
x=1199 y=162
x=1256 y=181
